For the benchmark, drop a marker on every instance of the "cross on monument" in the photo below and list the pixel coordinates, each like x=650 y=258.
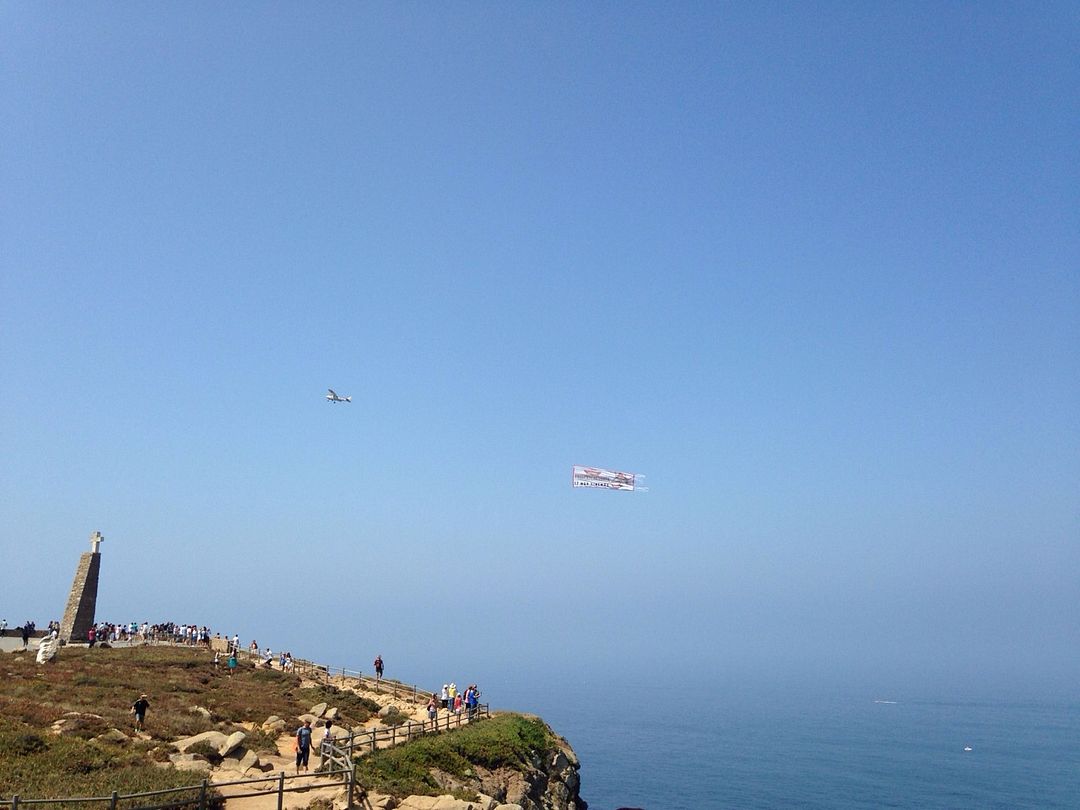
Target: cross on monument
x=95 y=542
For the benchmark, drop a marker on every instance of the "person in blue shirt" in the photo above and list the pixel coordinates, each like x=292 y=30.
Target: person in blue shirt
x=303 y=745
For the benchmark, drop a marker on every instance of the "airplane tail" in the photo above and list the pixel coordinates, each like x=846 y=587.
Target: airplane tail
x=348 y=399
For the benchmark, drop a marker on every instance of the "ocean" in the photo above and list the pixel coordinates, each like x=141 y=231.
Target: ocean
x=663 y=748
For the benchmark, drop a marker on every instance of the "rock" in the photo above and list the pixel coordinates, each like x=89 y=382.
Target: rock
x=214 y=738
x=331 y=714
x=189 y=762
x=275 y=727
x=114 y=736
x=310 y=717
x=249 y=761
x=508 y=807
x=318 y=709
x=232 y=743
x=200 y=711
x=241 y=759
x=437 y=803
x=450 y=803
x=385 y=710
x=486 y=802
x=271 y=720
x=571 y=756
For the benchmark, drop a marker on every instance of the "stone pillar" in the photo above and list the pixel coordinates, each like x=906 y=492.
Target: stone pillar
x=79 y=613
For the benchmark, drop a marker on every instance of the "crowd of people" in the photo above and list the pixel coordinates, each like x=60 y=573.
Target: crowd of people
x=453 y=701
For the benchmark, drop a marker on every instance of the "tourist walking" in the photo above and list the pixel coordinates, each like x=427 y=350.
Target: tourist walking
x=378 y=667
x=303 y=745
x=138 y=708
x=232 y=663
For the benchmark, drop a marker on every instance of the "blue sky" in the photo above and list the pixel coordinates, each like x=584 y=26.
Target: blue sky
x=813 y=269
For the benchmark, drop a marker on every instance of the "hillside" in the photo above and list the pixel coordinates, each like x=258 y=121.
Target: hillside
x=66 y=730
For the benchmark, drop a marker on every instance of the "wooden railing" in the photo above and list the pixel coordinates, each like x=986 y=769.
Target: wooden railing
x=322 y=672
x=208 y=796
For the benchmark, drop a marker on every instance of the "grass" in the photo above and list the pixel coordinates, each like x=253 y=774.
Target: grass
x=40 y=765
x=506 y=740
x=35 y=763
x=106 y=683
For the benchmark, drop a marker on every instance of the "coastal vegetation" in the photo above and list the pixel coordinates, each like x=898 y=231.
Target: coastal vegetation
x=506 y=740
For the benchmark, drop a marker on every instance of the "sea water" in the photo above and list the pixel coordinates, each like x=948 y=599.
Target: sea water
x=681 y=749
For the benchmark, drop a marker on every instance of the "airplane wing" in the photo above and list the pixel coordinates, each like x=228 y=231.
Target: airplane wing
x=331 y=390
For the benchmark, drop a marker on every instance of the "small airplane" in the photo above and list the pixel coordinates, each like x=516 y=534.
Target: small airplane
x=333 y=397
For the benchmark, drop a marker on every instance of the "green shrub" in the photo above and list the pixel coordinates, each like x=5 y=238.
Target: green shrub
x=205 y=749
x=351 y=706
x=261 y=741
x=393 y=717
x=505 y=740
x=24 y=744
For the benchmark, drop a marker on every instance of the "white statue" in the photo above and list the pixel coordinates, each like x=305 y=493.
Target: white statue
x=95 y=542
x=47 y=649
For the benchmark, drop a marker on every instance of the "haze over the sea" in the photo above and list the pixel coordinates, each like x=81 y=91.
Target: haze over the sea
x=813 y=270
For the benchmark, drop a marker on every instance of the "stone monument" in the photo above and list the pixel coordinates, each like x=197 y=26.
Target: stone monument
x=79 y=613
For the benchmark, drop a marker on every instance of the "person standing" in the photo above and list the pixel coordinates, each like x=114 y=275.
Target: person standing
x=378 y=667
x=327 y=737
x=91 y=636
x=433 y=710
x=25 y=634
x=138 y=708
x=303 y=745
x=232 y=662
x=444 y=697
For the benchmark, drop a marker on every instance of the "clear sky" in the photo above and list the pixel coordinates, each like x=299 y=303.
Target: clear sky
x=813 y=269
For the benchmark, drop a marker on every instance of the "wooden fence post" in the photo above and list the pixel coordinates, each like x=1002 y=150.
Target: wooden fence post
x=14 y=803
x=114 y=801
x=202 y=796
x=280 y=790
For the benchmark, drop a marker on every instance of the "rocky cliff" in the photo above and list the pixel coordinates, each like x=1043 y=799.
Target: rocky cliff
x=546 y=779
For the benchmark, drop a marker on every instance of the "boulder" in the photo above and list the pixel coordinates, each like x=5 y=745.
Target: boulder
x=249 y=761
x=436 y=803
x=508 y=807
x=214 y=738
x=318 y=709
x=189 y=762
x=385 y=710
x=275 y=725
x=200 y=711
x=331 y=714
x=310 y=717
x=241 y=759
x=232 y=743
